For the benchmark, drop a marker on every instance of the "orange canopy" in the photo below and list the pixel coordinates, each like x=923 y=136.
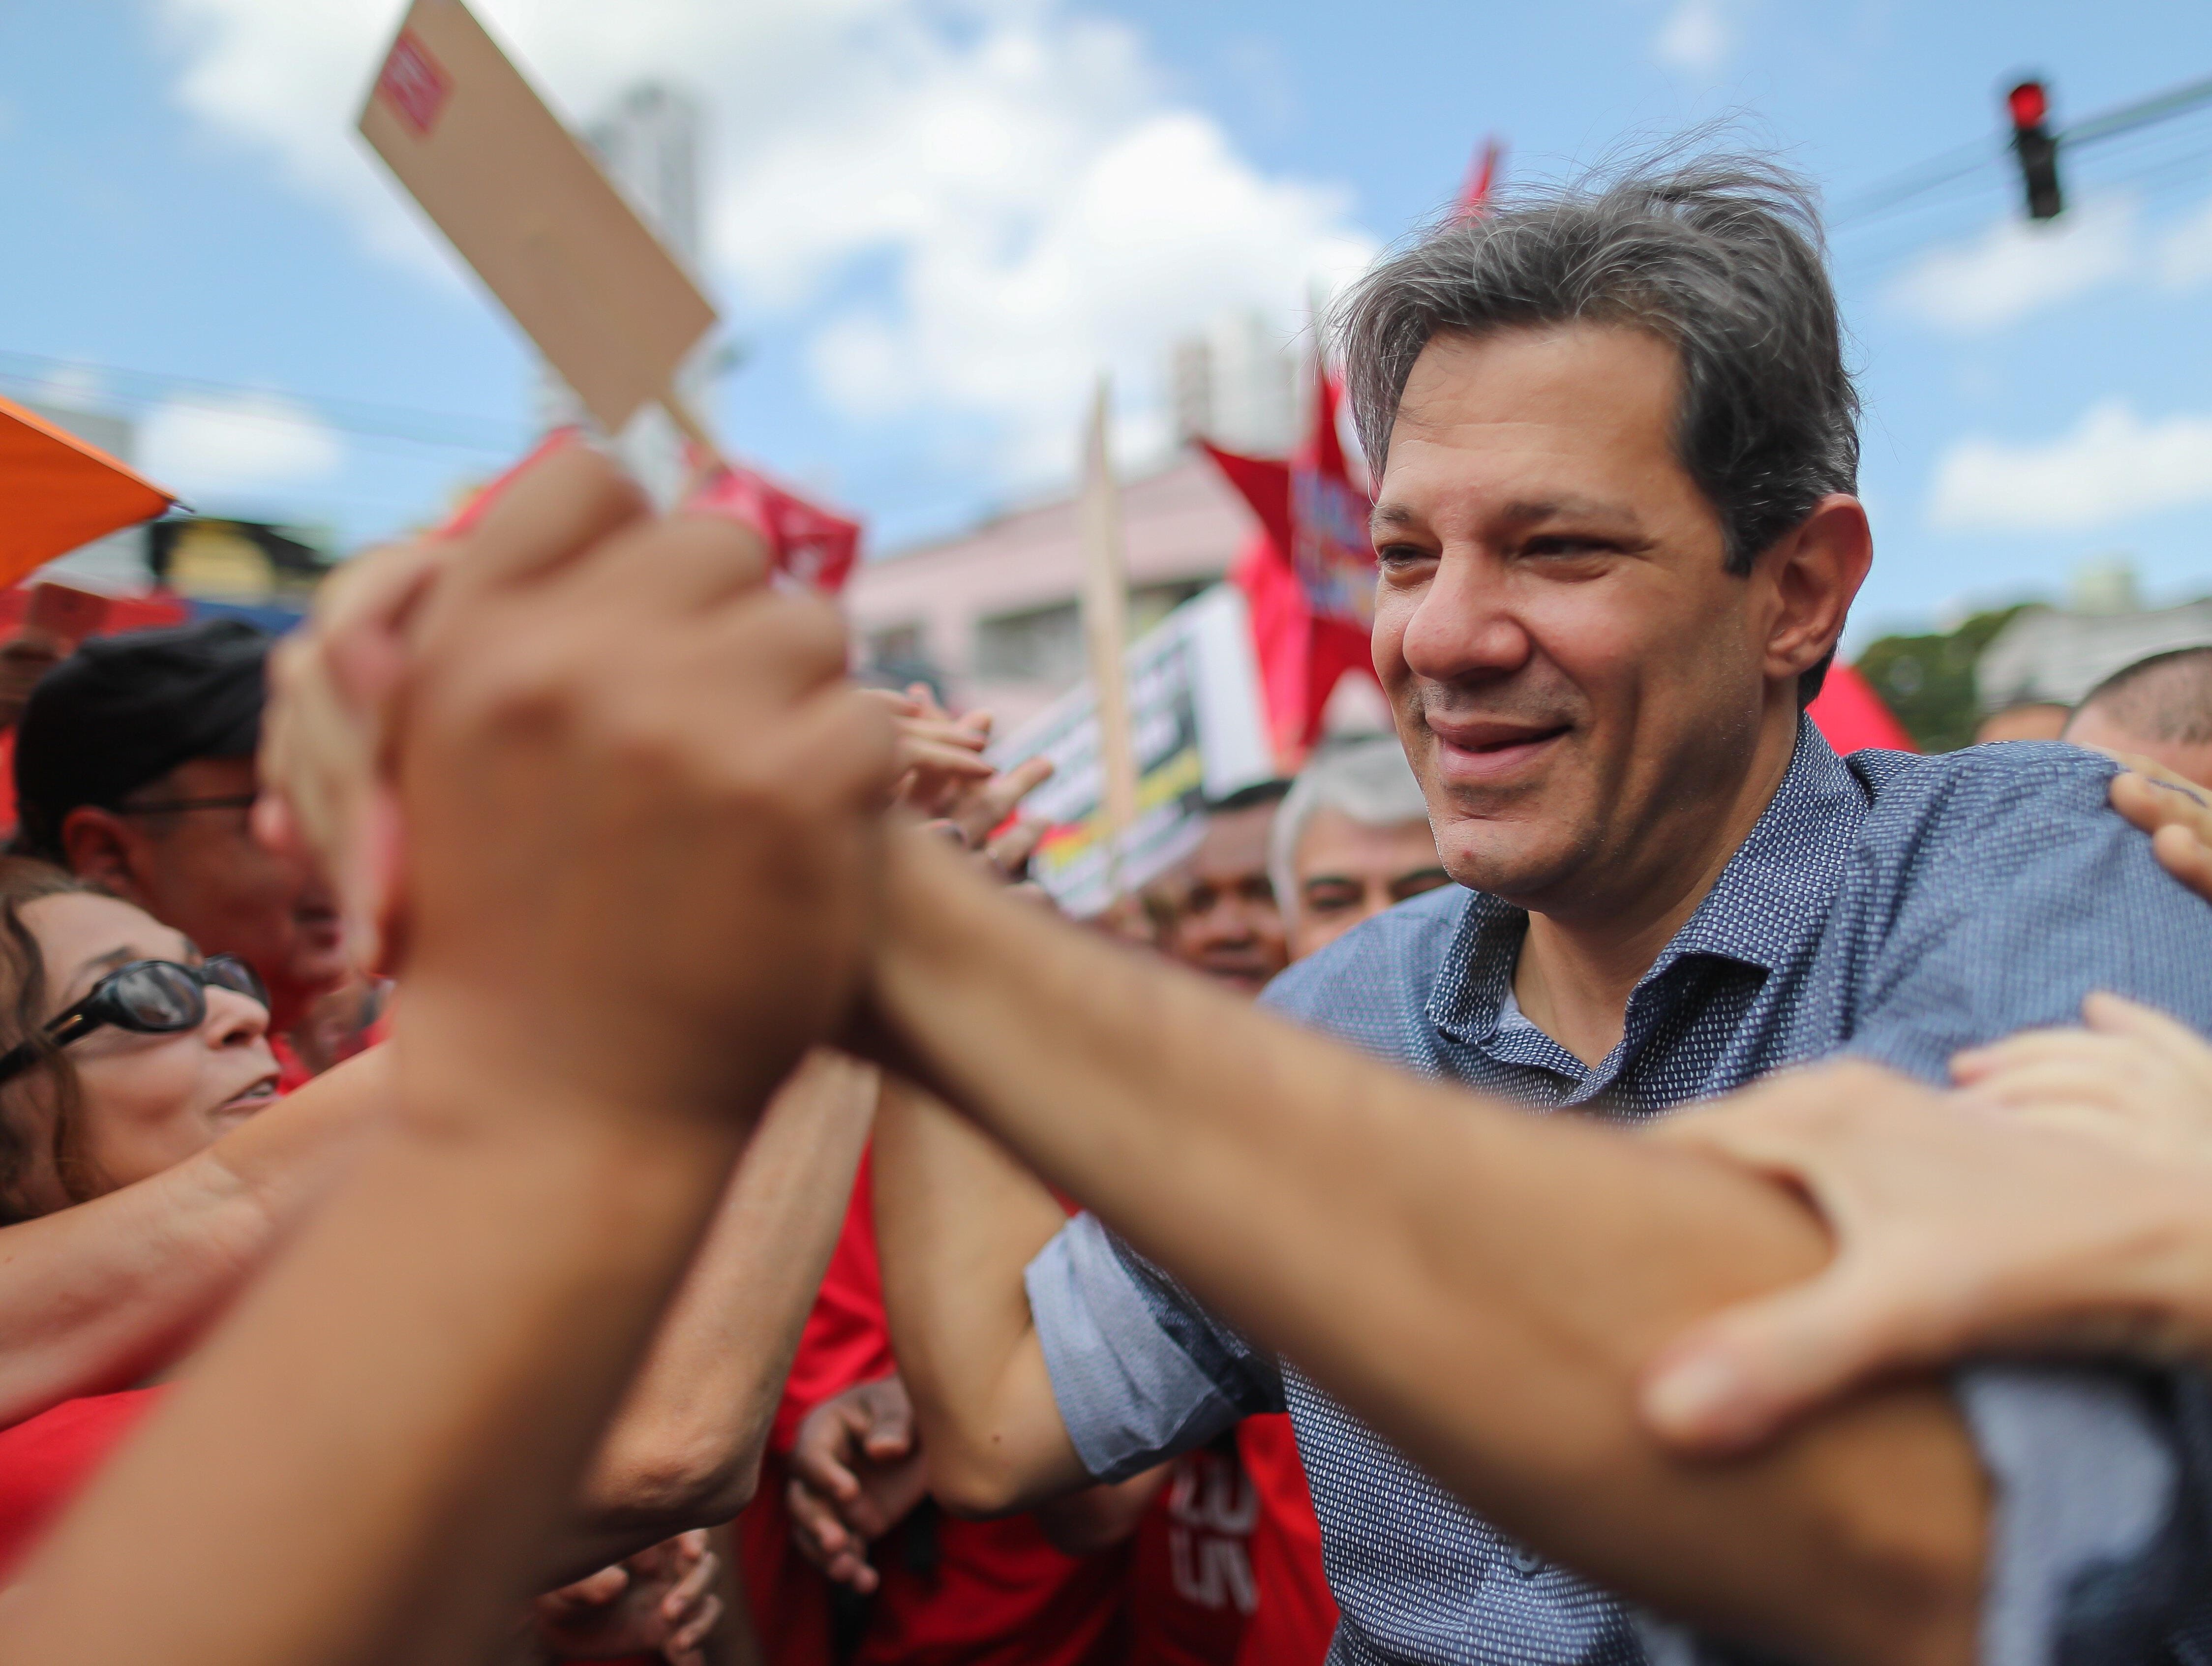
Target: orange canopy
x=57 y=492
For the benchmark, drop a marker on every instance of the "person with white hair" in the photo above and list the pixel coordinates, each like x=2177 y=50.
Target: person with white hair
x=1352 y=839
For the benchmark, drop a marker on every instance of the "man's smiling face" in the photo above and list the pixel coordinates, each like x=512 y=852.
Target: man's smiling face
x=1576 y=675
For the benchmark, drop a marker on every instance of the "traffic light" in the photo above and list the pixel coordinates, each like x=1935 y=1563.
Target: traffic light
x=2037 y=146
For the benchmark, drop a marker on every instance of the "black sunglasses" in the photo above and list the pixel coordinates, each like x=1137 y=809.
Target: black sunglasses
x=148 y=997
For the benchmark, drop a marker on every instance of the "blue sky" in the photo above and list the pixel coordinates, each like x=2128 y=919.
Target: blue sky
x=932 y=221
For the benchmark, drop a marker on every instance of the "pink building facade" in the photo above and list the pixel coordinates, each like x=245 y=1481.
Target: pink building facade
x=992 y=615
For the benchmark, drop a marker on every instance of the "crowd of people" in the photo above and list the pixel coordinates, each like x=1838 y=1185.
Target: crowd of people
x=1591 y=1176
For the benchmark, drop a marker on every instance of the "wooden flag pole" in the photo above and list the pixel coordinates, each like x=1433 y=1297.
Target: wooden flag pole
x=1106 y=633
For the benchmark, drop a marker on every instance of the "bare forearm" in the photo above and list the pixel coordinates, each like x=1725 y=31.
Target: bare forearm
x=94 y=1297
x=396 y=1438
x=685 y=1450
x=1482 y=1286
x=959 y=1222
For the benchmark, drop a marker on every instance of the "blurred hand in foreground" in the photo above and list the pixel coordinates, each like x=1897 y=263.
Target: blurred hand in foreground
x=603 y=867
x=1960 y=1226
x=661 y=1601
x=2131 y=1074
x=856 y=1469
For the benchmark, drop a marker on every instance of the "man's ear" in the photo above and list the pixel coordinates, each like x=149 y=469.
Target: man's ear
x=1815 y=571
x=101 y=846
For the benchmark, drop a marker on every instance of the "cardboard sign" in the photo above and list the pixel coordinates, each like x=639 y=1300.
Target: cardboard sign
x=1196 y=732
x=527 y=207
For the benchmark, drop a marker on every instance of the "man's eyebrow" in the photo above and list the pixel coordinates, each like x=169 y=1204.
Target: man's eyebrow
x=1390 y=514
x=1548 y=508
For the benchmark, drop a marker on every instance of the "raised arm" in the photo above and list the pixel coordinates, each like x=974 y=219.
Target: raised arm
x=629 y=903
x=685 y=1450
x=958 y=1221
x=1481 y=1285
x=94 y=1297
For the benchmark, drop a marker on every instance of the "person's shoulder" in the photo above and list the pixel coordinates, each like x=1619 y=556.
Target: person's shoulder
x=1383 y=960
x=1986 y=798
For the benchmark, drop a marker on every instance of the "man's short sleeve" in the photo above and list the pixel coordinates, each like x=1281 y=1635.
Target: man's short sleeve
x=2004 y=889
x=1140 y=1371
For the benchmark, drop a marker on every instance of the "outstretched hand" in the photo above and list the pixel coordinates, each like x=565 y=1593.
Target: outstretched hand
x=1959 y=1226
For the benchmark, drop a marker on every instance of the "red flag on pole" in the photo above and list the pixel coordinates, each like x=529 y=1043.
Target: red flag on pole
x=1308 y=574
x=1482 y=179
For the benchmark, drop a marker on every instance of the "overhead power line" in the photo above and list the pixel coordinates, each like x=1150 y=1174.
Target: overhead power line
x=439 y=430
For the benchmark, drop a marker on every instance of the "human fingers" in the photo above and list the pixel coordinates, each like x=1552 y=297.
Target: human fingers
x=689 y=1592
x=2116 y=1015
x=822 y=1456
x=2177 y=815
x=990 y=802
x=889 y=1433
x=1730 y=1382
x=816 y=1527
x=593 y=1590
x=561 y=503
x=1009 y=853
x=682 y=1648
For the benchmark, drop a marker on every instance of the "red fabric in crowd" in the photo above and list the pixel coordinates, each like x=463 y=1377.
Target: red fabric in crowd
x=1297 y=1615
x=1851 y=716
x=979 y=1594
x=1192 y=1595
x=47 y=1460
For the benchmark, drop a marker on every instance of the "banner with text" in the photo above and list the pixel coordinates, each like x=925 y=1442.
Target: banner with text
x=1198 y=734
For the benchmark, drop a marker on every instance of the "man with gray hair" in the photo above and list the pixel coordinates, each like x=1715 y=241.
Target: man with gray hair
x=1615 y=448
x=1351 y=840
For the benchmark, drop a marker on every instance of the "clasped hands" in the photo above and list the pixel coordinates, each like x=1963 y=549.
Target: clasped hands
x=512 y=744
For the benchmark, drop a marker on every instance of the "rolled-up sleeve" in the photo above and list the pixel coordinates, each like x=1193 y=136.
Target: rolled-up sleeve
x=1139 y=1372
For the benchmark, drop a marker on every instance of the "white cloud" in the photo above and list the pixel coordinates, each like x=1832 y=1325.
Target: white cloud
x=2184 y=250
x=2112 y=465
x=999 y=194
x=1696 y=39
x=245 y=443
x=2020 y=267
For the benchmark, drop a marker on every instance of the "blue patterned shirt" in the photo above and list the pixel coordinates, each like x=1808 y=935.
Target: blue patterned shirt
x=1889 y=908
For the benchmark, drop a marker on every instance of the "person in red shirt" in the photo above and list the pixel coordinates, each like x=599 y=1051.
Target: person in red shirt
x=133 y=1055
x=932 y=1590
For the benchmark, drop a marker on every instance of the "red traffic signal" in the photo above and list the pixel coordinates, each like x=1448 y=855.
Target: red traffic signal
x=2037 y=146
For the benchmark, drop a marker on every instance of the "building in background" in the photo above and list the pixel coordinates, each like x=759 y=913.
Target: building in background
x=2055 y=655
x=649 y=144
x=1237 y=385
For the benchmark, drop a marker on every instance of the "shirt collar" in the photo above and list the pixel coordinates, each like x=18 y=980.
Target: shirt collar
x=1763 y=911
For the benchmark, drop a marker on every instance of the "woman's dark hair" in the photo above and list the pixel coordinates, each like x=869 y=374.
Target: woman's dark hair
x=24 y=993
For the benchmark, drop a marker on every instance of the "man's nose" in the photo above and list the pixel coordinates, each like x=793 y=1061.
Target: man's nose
x=1463 y=628
x=1225 y=922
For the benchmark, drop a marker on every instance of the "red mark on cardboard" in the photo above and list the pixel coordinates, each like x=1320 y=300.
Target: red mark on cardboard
x=413 y=84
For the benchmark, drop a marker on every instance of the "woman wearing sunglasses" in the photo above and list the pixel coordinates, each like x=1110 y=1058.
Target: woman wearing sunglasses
x=126 y=1058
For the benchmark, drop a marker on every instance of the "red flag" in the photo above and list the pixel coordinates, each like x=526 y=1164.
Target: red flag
x=1482 y=179
x=809 y=543
x=1850 y=714
x=1308 y=577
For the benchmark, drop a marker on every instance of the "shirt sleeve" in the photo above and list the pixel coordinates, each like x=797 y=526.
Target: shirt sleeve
x=2016 y=891
x=1141 y=1373
x=2097 y=1550
x=2098 y=1547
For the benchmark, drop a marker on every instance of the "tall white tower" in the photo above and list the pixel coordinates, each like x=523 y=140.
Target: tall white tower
x=649 y=144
